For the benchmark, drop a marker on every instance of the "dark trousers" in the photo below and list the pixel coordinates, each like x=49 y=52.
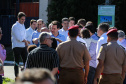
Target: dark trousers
x=18 y=51
x=1 y=81
x=91 y=75
x=124 y=82
x=71 y=76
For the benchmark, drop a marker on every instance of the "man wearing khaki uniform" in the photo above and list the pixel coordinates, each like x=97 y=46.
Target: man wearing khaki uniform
x=73 y=57
x=112 y=61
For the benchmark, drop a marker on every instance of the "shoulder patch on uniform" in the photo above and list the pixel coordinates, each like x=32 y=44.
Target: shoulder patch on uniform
x=100 y=49
x=81 y=42
x=104 y=44
x=122 y=47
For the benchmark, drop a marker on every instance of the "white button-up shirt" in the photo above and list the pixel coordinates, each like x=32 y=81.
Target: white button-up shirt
x=63 y=32
x=18 y=35
x=29 y=33
x=102 y=40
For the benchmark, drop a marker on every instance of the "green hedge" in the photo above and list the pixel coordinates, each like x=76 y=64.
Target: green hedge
x=87 y=9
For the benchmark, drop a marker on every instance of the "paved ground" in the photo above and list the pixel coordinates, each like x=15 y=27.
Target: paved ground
x=9 y=66
x=9 y=72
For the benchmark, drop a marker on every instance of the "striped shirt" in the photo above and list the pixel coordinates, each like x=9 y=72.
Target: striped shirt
x=42 y=57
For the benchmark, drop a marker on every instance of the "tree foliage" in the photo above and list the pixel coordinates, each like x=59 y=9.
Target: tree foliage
x=87 y=9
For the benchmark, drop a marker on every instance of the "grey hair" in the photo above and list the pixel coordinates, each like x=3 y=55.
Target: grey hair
x=121 y=34
x=43 y=36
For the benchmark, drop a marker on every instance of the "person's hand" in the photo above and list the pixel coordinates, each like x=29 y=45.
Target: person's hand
x=2 y=46
x=58 y=40
x=28 y=42
x=85 y=80
x=95 y=81
x=35 y=40
x=22 y=69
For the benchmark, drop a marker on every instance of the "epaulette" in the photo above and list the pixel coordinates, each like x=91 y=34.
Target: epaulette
x=104 y=44
x=122 y=47
x=81 y=42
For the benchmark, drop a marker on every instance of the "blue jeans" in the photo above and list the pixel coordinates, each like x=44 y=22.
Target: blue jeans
x=91 y=75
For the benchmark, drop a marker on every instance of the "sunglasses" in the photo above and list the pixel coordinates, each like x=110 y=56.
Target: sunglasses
x=0 y=32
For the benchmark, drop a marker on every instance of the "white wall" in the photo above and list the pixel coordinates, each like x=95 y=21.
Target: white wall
x=43 y=4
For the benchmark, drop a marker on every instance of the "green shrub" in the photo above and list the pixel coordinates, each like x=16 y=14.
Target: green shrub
x=7 y=80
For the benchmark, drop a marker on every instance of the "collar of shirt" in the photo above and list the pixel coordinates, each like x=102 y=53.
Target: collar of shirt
x=19 y=23
x=64 y=30
x=43 y=45
x=104 y=34
x=31 y=29
x=72 y=39
x=59 y=35
x=37 y=32
x=112 y=42
x=94 y=37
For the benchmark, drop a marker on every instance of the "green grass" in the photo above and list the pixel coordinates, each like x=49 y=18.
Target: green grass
x=7 y=80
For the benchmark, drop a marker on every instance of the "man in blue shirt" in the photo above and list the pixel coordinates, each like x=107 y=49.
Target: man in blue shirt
x=121 y=38
x=54 y=30
x=92 y=51
x=36 y=33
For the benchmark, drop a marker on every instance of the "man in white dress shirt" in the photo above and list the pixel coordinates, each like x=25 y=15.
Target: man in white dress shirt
x=101 y=31
x=64 y=30
x=19 y=41
x=30 y=30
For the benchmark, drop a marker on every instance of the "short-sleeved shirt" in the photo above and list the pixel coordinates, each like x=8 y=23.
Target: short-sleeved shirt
x=36 y=35
x=59 y=36
x=79 y=40
x=42 y=57
x=63 y=32
x=114 y=57
x=72 y=54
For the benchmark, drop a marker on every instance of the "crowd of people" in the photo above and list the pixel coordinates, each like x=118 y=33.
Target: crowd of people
x=74 y=54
